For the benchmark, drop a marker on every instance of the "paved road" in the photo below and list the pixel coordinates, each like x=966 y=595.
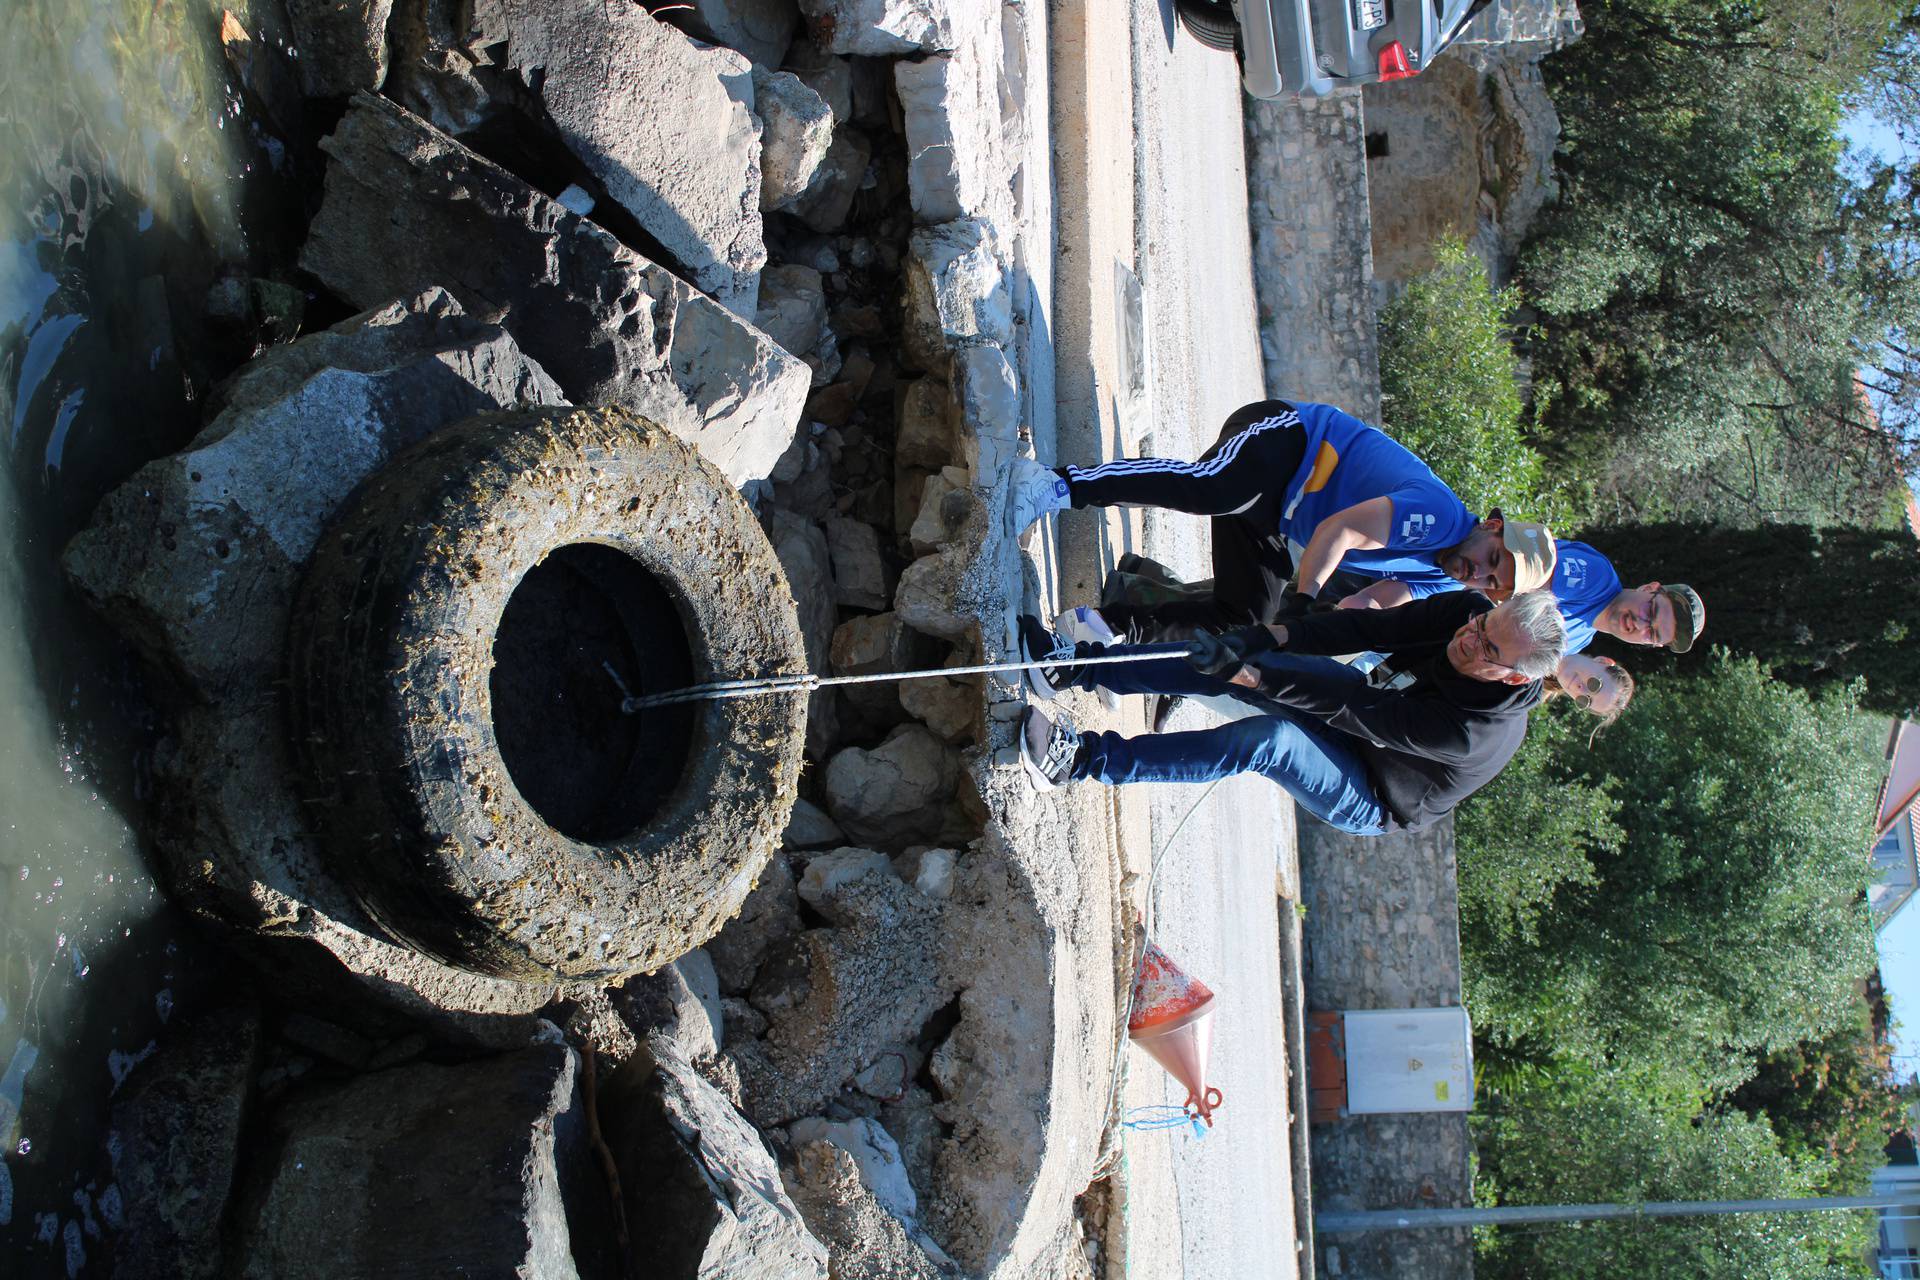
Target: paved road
x=1222 y=1206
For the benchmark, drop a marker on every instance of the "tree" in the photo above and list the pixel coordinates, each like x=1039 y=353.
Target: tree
x=1730 y=916
x=1449 y=383
x=1821 y=607
x=1615 y=1136
x=1832 y=1097
x=1714 y=283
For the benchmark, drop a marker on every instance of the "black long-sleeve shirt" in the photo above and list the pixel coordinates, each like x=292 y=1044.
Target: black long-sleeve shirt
x=1431 y=745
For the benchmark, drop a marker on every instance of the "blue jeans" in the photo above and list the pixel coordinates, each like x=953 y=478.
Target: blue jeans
x=1317 y=765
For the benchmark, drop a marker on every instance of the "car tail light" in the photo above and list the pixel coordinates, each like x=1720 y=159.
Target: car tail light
x=1393 y=62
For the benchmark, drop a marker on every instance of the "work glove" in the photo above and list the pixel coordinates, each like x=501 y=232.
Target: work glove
x=1296 y=604
x=1222 y=655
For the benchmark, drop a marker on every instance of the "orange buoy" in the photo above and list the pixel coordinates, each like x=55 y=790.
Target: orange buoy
x=1172 y=1019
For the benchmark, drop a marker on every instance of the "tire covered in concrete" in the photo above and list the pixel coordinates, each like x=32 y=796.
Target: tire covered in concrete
x=458 y=652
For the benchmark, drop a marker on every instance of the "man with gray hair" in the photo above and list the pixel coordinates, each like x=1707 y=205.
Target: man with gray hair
x=1368 y=761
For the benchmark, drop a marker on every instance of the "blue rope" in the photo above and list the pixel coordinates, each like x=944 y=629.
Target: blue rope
x=1149 y=1119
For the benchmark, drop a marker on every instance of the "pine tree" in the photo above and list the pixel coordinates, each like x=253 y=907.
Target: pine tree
x=1819 y=606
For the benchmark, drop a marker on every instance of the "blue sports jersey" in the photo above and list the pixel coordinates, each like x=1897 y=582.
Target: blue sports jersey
x=1348 y=462
x=1584 y=582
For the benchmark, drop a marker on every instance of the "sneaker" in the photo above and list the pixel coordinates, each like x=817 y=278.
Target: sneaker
x=1164 y=705
x=1033 y=491
x=1047 y=749
x=1037 y=644
x=1083 y=624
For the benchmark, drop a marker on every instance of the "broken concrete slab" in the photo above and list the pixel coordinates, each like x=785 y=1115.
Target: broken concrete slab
x=348 y=1197
x=407 y=207
x=699 y=1186
x=796 y=128
x=847 y=993
x=875 y=1155
x=666 y=125
x=194 y=557
x=864 y=1239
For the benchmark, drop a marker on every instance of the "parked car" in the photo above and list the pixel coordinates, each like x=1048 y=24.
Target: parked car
x=1314 y=46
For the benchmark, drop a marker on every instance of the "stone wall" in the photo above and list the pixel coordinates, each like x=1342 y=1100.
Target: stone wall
x=1307 y=206
x=1382 y=931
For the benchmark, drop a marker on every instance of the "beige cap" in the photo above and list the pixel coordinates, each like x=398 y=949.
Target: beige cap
x=1533 y=552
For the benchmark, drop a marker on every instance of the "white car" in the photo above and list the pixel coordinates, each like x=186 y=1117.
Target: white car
x=1314 y=46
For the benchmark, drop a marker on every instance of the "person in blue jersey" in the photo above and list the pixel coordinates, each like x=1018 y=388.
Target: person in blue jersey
x=1593 y=601
x=1351 y=497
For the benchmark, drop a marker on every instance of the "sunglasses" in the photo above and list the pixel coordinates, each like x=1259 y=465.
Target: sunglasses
x=1584 y=700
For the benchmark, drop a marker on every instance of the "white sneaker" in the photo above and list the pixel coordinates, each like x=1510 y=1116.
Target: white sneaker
x=1033 y=491
x=1047 y=750
x=1083 y=624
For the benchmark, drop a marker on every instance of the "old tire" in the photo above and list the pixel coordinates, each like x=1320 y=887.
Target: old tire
x=419 y=783
x=1210 y=23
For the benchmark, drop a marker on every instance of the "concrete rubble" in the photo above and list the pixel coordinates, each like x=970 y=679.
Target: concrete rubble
x=879 y=1067
x=406 y=208
x=673 y=139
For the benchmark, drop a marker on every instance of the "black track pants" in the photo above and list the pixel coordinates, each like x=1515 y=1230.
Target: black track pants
x=1241 y=482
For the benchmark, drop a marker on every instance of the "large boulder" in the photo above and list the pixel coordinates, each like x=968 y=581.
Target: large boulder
x=666 y=125
x=896 y=794
x=343 y=46
x=195 y=560
x=962 y=149
x=760 y=29
x=175 y=1144
x=407 y=207
x=796 y=128
x=700 y=1188
x=194 y=557
x=882 y=28
x=427 y=1170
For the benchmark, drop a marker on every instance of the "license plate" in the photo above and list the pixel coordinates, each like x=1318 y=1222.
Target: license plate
x=1373 y=13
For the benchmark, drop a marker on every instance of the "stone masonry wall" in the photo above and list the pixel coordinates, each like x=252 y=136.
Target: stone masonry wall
x=1382 y=931
x=1308 y=211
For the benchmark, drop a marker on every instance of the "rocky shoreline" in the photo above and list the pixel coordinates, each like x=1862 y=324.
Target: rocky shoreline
x=798 y=238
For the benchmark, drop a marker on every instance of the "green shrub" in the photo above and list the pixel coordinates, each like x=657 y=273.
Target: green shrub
x=1449 y=382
